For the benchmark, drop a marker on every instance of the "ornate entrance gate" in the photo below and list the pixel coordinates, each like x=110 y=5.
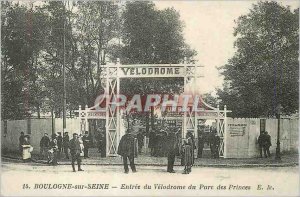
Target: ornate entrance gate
x=115 y=72
x=220 y=116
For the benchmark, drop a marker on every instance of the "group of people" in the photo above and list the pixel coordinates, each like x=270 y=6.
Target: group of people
x=101 y=143
x=213 y=141
x=52 y=149
x=157 y=145
x=264 y=142
x=126 y=150
x=168 y=145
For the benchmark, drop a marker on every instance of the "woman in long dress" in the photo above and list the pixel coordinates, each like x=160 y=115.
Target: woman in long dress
x=27 y=149
x=187 y=156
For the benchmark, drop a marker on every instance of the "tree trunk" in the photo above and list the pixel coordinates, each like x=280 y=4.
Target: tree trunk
x=38 y=110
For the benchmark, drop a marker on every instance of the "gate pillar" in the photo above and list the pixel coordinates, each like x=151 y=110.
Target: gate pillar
x=112 y=115
x=221 y=129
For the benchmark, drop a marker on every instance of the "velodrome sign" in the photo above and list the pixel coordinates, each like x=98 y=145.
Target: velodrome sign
x=151 y=71
x=155 y=70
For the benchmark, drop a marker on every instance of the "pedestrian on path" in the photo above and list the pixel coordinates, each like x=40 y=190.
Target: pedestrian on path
x=26 y=149
x=216 y=145
x=59 y=143
x=200 y=145
x=267 y=144
x=171 y=150
x=191 y=138
x=126 y=150
x=75 y=151
x=44 y=146
x=86 y=143
x=187 y=156
x=52 y=158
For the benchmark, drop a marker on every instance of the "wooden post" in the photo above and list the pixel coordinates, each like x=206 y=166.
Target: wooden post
x=85 y=119
x=225 y=132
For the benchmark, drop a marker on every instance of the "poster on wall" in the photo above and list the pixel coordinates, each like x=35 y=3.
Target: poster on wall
x=237 y=129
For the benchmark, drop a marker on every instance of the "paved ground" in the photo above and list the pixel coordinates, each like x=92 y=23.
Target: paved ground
x=145 y=159
x=274 y=181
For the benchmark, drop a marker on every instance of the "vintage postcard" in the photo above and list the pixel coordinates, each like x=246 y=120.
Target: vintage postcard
x=150 y=98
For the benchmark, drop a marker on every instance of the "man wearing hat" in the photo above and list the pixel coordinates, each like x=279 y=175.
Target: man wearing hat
x=53 y=150
x=86 y=143
x=75 y=151
x=44 y=145
x=171 y=150
x=127 y=150
x=59 y=143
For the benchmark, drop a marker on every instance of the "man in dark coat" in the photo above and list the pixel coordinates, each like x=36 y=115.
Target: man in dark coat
x=211 y=139
x=164 y=146
x=127 y=150
x=66 y=140
x=267 y=144
x=54 y=150
x=216 y=145
x=171 y=151
x=44 y=145
x=75 y=151
x=98 y=139
x=191 y=137
x=86 y=143
x=59 y=143
x=200 y=145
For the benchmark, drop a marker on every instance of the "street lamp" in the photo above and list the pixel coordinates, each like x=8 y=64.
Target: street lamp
x=278 y=157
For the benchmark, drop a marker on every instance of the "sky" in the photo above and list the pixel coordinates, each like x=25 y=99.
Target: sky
x=209 y=27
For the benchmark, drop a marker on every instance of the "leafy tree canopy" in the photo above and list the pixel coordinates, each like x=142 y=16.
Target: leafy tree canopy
x=264 y=70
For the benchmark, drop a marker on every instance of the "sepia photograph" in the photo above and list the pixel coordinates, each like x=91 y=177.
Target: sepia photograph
x=150 y=98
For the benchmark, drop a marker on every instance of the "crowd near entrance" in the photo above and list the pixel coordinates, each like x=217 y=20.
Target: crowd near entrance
x=107 y=126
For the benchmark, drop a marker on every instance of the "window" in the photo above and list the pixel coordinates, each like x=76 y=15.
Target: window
x=262 y=125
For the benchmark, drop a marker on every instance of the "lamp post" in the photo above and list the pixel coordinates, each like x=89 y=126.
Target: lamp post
x=278 y=157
